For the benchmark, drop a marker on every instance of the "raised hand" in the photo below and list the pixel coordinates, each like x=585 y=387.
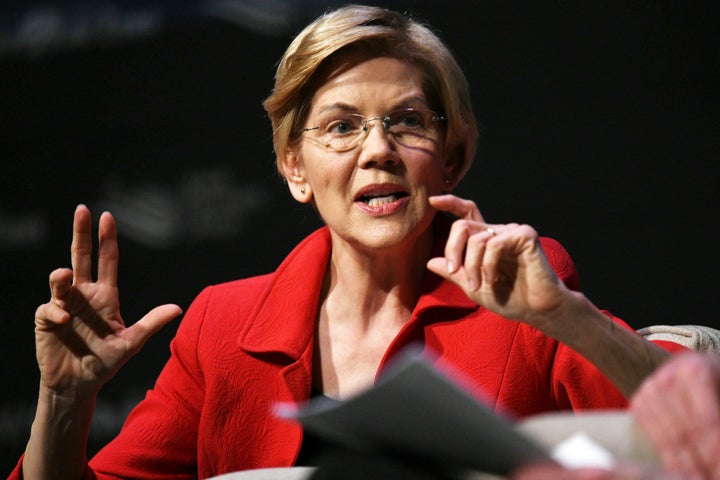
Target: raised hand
x=81 y=338
x=501 y=267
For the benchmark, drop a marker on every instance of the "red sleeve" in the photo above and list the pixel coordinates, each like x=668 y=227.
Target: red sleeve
x=577 y=383
x=17 y=473
x=159 y=437
x=671 y=347
x=561 y=262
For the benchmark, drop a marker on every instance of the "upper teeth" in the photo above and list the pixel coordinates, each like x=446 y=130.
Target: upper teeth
x=375 y=201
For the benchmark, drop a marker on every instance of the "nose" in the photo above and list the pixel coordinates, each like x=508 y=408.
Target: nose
x=376 y=148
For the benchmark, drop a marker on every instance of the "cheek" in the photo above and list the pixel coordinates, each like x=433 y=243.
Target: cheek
x=432 y=173
x=330 y=180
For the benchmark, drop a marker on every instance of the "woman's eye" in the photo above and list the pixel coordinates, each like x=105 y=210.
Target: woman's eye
x=410 y=120
x=343 y=127
x=340 y=127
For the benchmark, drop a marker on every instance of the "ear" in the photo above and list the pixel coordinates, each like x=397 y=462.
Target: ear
x=291 y=168
x=452 y=172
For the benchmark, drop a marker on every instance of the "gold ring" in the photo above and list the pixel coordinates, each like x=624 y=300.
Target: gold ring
x=490 y=231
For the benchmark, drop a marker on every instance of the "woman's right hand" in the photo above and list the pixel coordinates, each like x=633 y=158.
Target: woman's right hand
x=80 y=336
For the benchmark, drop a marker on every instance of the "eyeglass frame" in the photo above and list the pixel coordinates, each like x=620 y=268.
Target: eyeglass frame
x=385 y=120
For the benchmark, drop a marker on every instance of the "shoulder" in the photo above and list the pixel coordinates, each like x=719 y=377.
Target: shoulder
x=217 y=308
x=236 y=290
x=229 y=305
x=228 y=300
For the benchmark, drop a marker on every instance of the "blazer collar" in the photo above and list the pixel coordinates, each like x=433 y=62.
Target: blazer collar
x=283 y=320
x=284 y=316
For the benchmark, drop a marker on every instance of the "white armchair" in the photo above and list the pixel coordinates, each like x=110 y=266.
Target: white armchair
x=695 y=337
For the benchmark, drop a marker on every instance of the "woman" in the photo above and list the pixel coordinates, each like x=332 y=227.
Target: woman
x=373 y=127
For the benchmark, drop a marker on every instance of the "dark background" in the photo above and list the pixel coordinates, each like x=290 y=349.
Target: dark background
x=599 y=122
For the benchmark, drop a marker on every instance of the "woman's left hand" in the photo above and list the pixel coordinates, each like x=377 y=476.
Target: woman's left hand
x=501 y=267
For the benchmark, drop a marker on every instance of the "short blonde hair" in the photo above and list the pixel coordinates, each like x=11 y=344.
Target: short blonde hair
x=375 y=31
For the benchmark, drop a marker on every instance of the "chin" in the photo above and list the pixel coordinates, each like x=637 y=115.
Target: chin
x=390 y=235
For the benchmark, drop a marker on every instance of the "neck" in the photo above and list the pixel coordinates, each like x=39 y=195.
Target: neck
x=367 y=286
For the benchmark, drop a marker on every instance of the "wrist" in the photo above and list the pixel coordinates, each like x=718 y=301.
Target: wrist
x=68 y=411
x=573 y=318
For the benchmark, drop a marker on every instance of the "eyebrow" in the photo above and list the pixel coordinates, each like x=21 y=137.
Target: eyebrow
x=346 y=107
x=337 y=106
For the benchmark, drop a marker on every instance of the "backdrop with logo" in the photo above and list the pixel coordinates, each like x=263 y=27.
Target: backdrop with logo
x=599 y=128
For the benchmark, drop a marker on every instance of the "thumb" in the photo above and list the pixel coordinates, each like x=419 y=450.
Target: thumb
x=439 y=266
x=141 y=331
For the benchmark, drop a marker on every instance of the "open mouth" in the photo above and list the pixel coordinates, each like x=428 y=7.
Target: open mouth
x=377 y=200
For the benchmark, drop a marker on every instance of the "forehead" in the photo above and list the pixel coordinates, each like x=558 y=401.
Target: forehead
x=366 y=84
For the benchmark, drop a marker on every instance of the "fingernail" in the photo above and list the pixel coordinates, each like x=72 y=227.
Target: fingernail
x=450 y=267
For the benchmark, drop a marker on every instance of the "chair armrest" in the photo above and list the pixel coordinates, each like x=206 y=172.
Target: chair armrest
x=694 y=337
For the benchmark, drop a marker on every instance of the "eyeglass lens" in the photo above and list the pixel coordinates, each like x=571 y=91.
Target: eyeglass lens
x=410 y=127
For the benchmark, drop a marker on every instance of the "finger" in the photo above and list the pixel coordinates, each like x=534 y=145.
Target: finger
x=689 y=418
x=491 y=258
x=140 y=332
x=653 y=417
x=457 y=206
x=60 y=283
x=460 y=232
x=439 y=266
x=81 y=249
x=54 y=312
x=475 y=257
x=661 y=408
x=511 y=241
x=49 y=314
x=700 y=383
x=108 y=253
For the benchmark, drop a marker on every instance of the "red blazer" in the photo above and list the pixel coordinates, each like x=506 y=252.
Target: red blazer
x=244 y=345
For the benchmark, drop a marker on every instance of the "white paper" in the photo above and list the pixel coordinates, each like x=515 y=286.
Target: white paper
x=581 y=451
x=415 y=410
